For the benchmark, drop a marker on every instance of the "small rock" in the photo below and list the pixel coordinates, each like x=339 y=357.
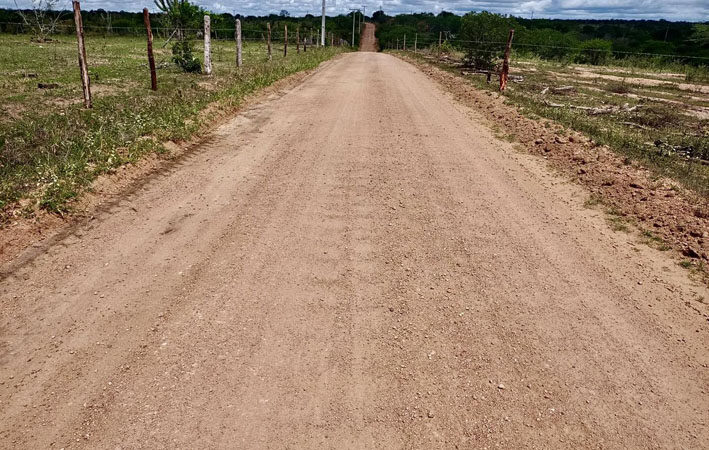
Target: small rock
x=501 y=386
x=539 y=142
x=430 y=415
x=690 y=252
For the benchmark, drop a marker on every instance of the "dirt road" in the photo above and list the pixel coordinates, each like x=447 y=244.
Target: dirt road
x=355 y=262
x=369 y=40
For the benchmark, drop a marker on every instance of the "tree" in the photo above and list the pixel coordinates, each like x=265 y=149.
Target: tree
x=594 y=51
x=180 y=14
x=547 y=43
x=284 y=13
x=42 y=19
x=484 y=35
x=700 y=34
x=379 y=17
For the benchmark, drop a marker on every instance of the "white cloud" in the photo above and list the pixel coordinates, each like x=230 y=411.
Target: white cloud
x=695 y=10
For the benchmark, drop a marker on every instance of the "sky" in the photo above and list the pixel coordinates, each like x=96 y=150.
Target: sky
x=693 y=10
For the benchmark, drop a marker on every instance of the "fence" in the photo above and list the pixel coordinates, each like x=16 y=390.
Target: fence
x=649 y=109
x=439 y=40
x=97 y=44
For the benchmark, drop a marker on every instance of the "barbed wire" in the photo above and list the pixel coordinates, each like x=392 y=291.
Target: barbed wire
x=434 y=40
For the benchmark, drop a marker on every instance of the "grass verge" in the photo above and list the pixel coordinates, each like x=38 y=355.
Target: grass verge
x=51 y=148
x=661 y=127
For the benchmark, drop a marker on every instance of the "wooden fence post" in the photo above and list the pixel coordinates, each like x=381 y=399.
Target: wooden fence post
x=207 y=46
x=85 y=82
x=239 y=61
x=305 y=42
x=285 y=40
x=297 y=40
x=440 y=40
x=416 y=40
x=504 y=76
x=404 y=42
x=151 y=58
x=397 y=43
x=268 y=29
x=332 y=39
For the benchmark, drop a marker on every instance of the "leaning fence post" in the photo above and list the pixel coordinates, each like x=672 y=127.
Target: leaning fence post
x=151 y=58
x=239 y=62
x=285 y=40
x=207 y=46
x=268 y=29
x=506 y=62
x=85 y=82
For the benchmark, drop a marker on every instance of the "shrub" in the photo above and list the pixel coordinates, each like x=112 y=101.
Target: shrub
x=595 y=51
x=484 y=35
x=183 y=57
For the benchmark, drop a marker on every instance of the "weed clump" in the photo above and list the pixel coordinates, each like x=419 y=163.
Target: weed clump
x=183 y=57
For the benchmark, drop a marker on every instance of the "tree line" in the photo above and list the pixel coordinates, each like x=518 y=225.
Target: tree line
x=100 y=21
x=586 y=41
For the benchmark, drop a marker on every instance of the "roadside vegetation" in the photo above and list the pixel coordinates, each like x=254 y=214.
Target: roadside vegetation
x=648 y=108
x=649 y=117
x=647 y=44
x=51 y=148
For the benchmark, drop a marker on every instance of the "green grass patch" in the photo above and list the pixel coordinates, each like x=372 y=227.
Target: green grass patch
x=51 y=148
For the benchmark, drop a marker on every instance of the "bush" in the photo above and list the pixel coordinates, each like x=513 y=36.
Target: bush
x=547 y=43
x=484 y=36
x=183 y=57
x=595 y=51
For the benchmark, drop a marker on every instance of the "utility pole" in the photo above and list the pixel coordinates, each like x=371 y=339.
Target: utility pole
x=354 y=15
x=322 y=33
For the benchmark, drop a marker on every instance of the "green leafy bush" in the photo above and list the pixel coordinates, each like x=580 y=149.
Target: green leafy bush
x=594 y=51
x=483 y=36
x=183 y=57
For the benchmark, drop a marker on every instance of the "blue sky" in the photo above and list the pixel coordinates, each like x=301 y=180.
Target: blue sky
x=694 y=10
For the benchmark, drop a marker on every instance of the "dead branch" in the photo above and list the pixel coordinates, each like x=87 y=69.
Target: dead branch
x=596 y=110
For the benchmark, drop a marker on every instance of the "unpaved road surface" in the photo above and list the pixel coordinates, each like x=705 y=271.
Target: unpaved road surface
x=368 y=42
x=353 y=263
